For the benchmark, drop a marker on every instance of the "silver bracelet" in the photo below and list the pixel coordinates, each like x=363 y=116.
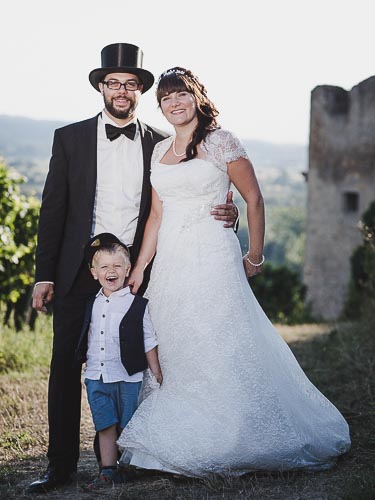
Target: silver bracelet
x=252 y=263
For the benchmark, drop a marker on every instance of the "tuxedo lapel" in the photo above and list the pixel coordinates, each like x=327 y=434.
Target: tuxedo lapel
x=89 y=149
x=147 y=148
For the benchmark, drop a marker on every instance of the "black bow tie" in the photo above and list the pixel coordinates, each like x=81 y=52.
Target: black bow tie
x=114 y=132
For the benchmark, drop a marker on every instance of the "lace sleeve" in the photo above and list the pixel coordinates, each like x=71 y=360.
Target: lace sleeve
x=223 y=147
x=160 y=149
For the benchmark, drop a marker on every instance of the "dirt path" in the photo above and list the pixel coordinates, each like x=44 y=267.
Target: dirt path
x=23 y=444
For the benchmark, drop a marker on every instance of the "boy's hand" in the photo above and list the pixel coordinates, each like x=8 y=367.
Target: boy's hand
x=159 y=377
x=227 y=212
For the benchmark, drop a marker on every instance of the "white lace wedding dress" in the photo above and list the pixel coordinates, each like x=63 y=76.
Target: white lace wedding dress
x=234 y=398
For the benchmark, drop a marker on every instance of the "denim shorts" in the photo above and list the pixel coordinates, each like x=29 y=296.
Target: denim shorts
x=112 y=403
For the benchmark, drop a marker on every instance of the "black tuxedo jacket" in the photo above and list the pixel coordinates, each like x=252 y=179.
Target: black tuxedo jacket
x=66 y=212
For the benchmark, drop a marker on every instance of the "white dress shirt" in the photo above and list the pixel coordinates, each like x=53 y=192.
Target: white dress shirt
x=103 y=354
x=119 y=183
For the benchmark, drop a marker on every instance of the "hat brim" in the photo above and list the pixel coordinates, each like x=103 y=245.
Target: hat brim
x=97 y=75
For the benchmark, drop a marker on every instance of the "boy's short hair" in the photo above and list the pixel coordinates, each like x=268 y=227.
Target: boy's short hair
x=103 y=241
x=111 y=250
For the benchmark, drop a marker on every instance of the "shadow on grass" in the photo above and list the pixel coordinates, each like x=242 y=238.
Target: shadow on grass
x=347 y=480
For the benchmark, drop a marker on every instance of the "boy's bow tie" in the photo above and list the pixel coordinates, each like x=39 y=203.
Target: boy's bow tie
x=114 y=132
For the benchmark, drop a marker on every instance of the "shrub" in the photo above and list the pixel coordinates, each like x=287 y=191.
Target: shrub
x=281 y=294
x=362 y=284
x=18 y=228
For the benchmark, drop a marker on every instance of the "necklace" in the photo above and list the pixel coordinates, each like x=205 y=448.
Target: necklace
x=174 y=149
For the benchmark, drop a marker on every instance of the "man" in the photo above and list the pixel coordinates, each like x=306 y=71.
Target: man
x=98 y=181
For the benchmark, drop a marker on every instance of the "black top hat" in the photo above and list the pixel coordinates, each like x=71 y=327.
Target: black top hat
x=122 y=58
x=98 y=242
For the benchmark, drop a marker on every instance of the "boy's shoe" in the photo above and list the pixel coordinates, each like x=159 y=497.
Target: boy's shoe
x=110 y=477
x=102 y=481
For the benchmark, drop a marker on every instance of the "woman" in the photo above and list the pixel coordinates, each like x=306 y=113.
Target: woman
x=234 y=398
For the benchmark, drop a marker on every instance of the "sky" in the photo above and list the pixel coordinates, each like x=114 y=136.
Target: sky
x=259 y=60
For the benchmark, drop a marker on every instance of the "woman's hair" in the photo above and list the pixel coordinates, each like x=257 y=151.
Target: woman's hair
x=179 y=79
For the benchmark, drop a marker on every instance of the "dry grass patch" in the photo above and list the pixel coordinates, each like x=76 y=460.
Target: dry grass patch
x=340 y=362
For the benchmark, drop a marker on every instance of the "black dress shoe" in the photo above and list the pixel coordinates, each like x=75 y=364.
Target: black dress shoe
x=50 y=480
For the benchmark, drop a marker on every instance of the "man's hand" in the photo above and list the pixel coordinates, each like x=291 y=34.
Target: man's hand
x=227 y=212
x=42 y=295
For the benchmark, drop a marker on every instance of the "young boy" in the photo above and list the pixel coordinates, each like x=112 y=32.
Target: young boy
x=117 y=342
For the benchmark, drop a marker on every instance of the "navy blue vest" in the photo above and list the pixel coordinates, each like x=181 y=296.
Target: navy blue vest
x=132 y=346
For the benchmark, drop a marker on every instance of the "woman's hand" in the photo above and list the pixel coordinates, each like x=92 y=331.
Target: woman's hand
x=250 y=268
x=135 y=279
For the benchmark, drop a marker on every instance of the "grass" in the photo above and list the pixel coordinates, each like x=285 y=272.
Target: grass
x=27 y=349
x=339 y=360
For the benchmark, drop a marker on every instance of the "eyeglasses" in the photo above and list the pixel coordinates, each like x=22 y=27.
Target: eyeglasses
x=116 y=85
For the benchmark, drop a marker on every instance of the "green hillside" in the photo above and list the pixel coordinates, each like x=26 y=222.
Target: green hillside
x=25 y=144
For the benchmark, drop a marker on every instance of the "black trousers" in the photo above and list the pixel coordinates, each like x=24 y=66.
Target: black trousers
x=64 y=390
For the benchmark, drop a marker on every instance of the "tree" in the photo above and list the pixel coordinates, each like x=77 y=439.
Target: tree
x=18 y=229
x=281 y=294
x=285 y=236
x=362 y=283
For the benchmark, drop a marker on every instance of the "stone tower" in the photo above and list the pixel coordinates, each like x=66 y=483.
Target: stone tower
x=341 y=185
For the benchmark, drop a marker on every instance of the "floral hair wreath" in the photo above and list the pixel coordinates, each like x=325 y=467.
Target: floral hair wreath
x=174 y=71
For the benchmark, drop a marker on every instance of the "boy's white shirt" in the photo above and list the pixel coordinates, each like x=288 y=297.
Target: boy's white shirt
x=103 y=353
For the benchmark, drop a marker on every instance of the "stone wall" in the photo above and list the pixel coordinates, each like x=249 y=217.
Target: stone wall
x=341 y=185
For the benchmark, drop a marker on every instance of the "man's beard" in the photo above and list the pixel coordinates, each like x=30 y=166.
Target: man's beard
x=121 y=115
